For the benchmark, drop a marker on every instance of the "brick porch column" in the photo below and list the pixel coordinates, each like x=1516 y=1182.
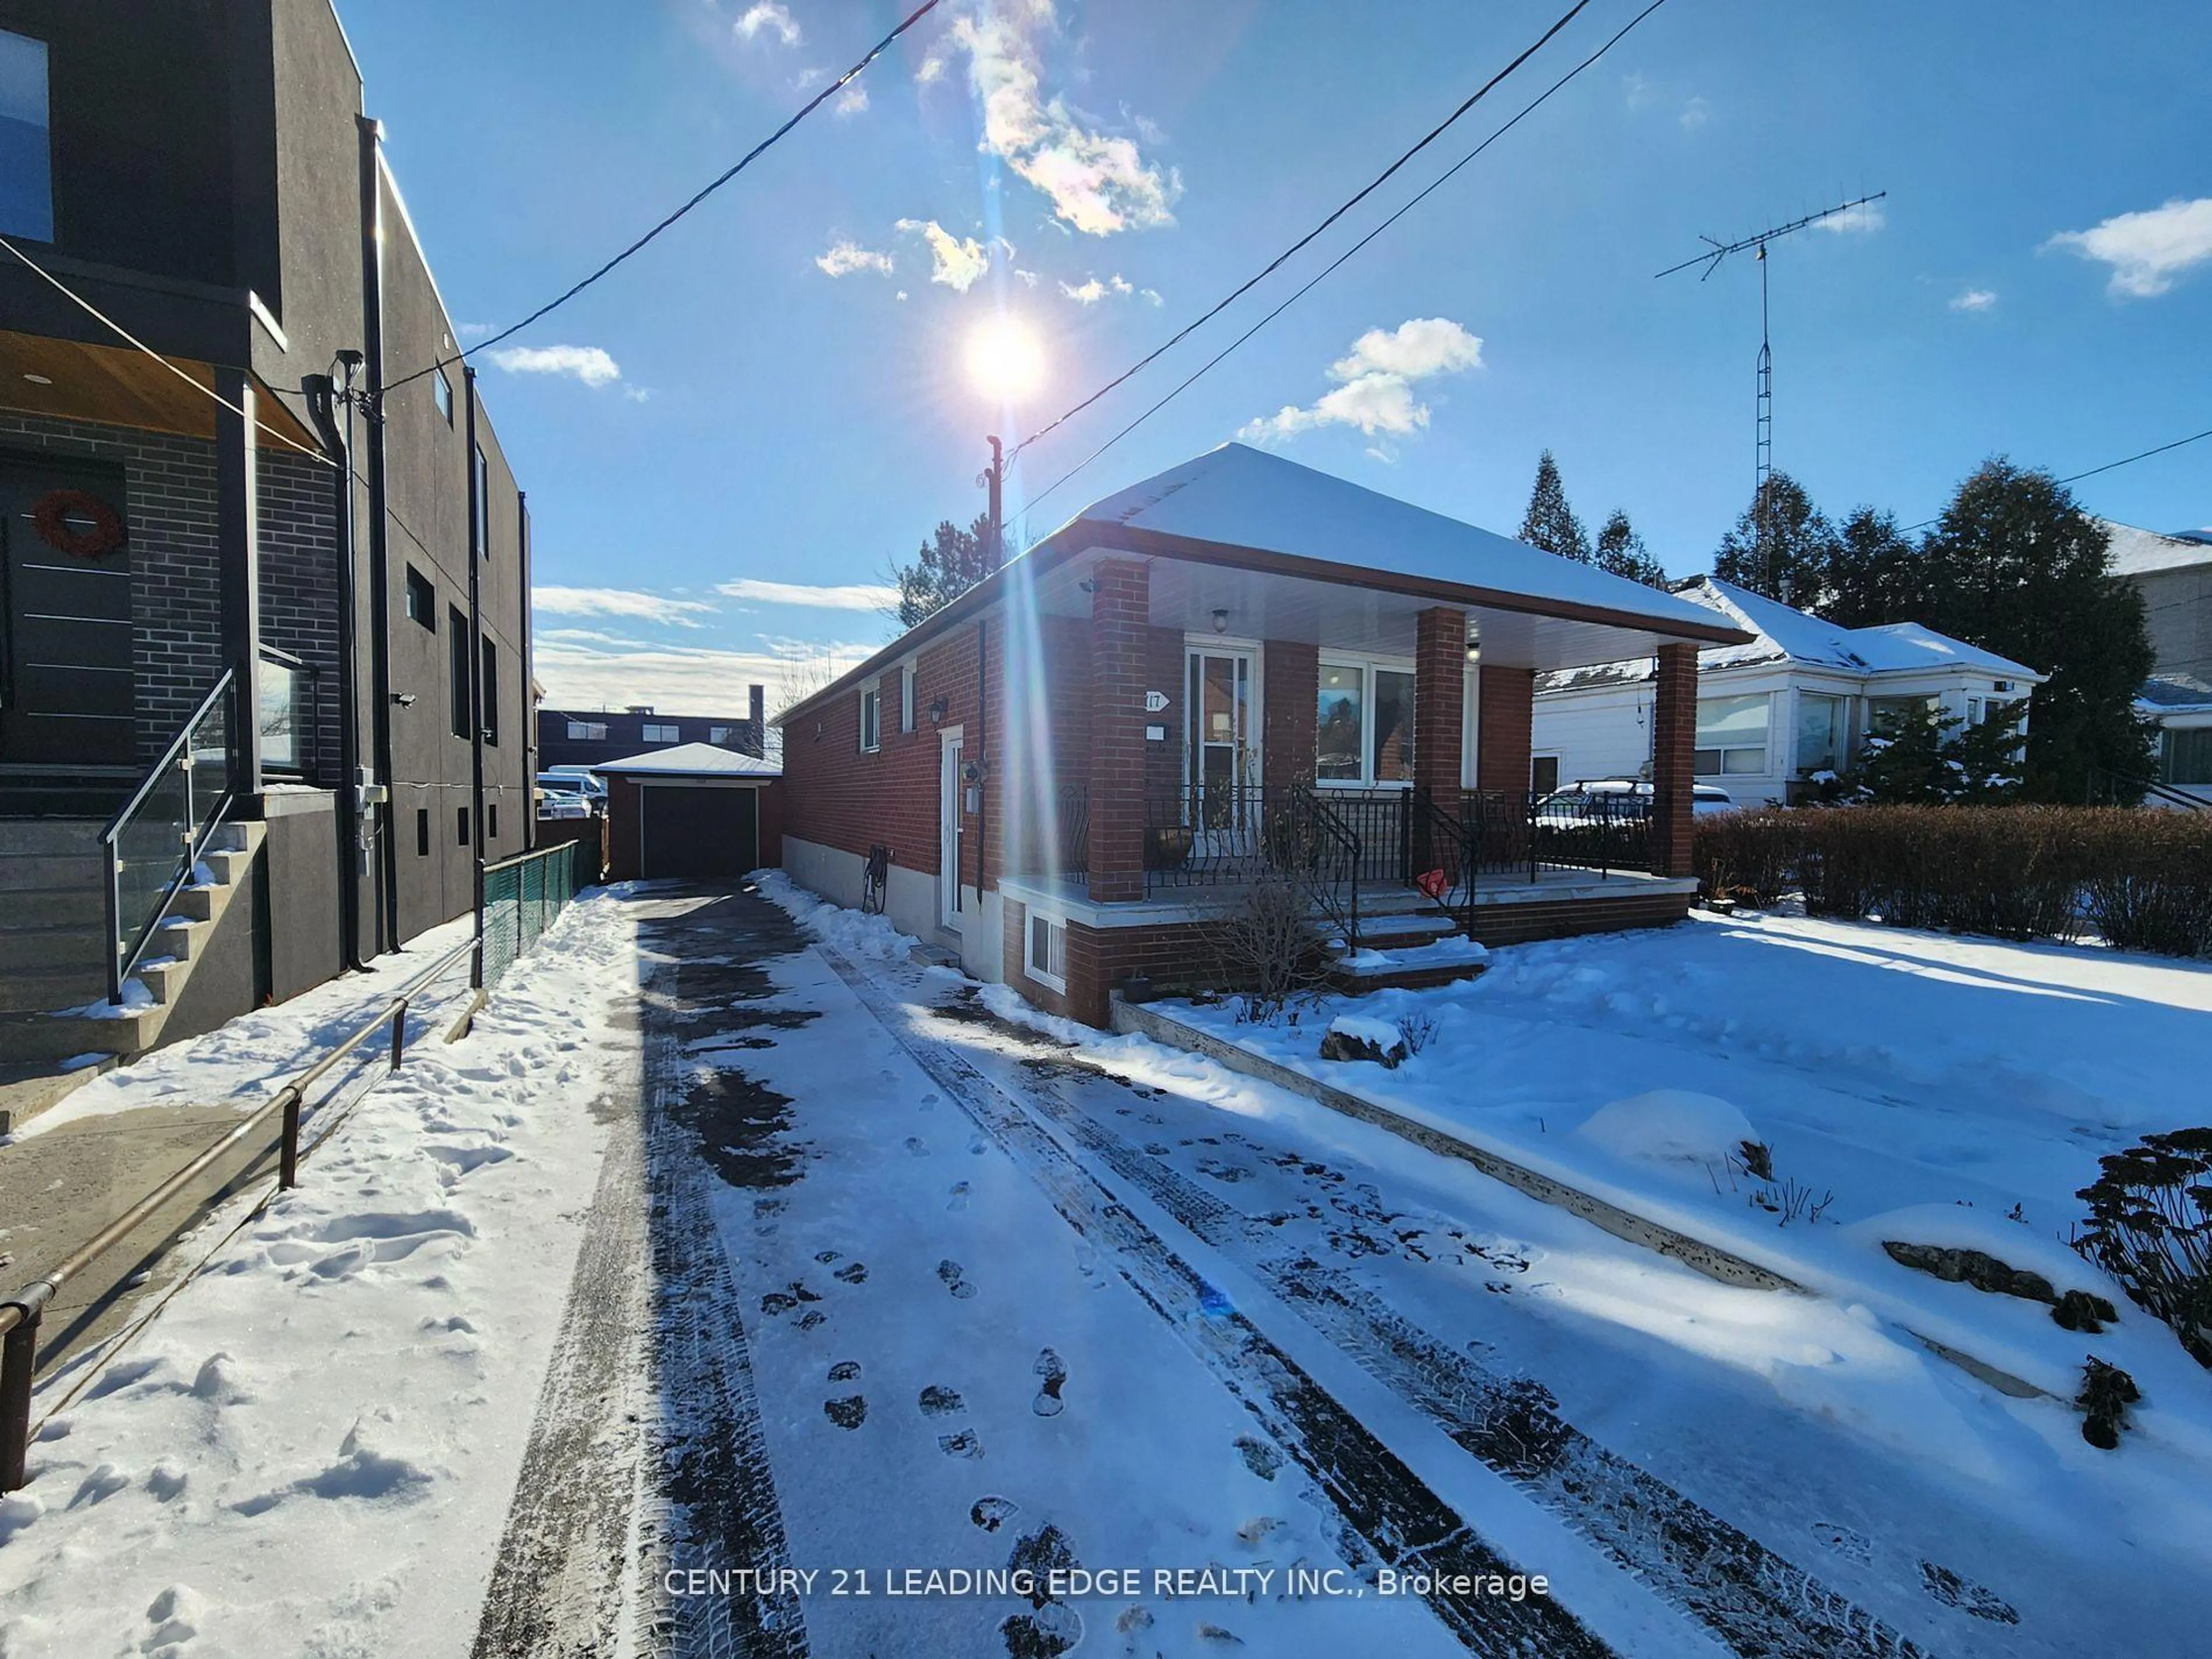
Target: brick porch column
x=1439 y=702
x=1290 y=674
x=1673 y=762
x=1505 y=730
x=1120 y=657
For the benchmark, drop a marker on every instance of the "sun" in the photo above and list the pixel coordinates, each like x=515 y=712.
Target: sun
x=1005 y=359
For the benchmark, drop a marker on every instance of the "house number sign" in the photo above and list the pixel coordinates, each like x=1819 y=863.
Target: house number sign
x=1155 y=701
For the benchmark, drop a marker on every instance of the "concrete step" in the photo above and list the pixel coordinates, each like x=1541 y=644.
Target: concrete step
x=27 y=992
x=27 y=1090
x=1385 y=932
x=55 y=947
x=164 y=978
x=51 y=836
x=45 y=871
x=26 y=907
x=26 y=1038
x=229 y=865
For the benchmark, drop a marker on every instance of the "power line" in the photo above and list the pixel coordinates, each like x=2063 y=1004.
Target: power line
x=743 y=163
x=208 y=392
x=1365 y=191
x=1527 y=110
x=2125 y=460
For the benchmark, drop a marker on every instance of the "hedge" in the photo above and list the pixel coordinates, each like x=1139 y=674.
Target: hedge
x=2140 y=879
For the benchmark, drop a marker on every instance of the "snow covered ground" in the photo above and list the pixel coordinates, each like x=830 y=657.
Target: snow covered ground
x=311 y=1451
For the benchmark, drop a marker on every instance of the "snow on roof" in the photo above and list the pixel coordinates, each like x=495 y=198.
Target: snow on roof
x=1786 y=634
x=2141 y=552
x=692 y=760
x=1244 y=497
x=2174 y=694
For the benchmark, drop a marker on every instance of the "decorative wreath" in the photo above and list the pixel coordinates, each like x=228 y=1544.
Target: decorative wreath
x=49 y=517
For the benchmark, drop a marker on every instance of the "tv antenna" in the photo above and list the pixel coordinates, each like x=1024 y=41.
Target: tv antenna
x=1763 y=429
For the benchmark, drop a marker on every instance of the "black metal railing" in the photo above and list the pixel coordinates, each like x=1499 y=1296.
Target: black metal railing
x=1602 y=831
x=1227 y=836
x=151 y=847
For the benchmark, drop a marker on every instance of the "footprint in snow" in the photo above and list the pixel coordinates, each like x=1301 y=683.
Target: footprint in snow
x=1262 y=1458
x=1954 y=1590
x=1052 y=1375
x=959 y=1198
x=1852 y=1546
x=844 y=1370
x=993 y=1513
x=917 y=1146
x=825 y=1257
x=937 y=1402
x=849 y=1412
x=955 y=1279
x=853 y=1272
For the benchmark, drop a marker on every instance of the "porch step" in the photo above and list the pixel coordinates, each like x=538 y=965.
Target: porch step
x=1399 y=932
x=1434 y=960
x=49 y=947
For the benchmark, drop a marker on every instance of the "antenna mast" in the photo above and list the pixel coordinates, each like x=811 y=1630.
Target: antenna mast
x=1763 y=423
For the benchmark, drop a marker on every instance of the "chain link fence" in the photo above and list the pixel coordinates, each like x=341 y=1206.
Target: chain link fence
x=522 y=898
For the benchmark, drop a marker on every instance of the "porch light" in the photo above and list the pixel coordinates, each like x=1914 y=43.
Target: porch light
x=1220 y=622
x=39 y=379
x=1474 y=651
x=938 y=710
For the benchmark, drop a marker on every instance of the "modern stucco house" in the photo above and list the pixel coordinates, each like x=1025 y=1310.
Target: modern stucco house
x=1795 y=699
x=1072 y=761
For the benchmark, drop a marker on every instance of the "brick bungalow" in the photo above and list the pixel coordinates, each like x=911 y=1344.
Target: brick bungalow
x=1241 y=660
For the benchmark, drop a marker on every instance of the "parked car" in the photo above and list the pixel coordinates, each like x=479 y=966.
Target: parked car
x=563 y=804
x=1617 y=798
x=575 y=781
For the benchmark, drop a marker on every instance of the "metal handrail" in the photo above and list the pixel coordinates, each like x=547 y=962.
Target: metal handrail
x=176 y=755
x=21 y=1313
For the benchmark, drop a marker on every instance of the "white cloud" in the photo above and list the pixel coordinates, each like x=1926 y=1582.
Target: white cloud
x=1097 y=182
x=1865 y=216
x=587 y=363
x=628 y=602
x=2147 y=250
x=1377 y=377
x=1637 y=89
x=772 y=16
x=851 y=101
x=932 y=68
x=1091 y=290
x=579 y=675
x=954 y=261
x=1150 y=297
x=900 y=294
x=848 y=596
x=1974 y=298
x=1695 y=115
x=846 y=256
x=1028 y=277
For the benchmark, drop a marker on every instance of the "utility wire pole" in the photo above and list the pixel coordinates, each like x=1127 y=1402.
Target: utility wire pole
x=1763 y=417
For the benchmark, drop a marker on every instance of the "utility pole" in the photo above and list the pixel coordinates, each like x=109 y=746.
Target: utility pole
x=993 y=479
x=1763 y=417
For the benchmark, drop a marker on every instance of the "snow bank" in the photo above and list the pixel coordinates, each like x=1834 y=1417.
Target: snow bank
x=1380 y=1032
x=852 y=932
x=1670 y=1125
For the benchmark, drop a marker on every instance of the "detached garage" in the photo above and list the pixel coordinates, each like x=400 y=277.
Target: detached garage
x=696 y=811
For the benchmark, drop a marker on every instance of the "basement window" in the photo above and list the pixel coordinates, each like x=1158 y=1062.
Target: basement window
x=1048 y=953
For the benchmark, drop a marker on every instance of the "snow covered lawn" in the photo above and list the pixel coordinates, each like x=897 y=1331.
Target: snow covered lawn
x=1908 y=1087
x=264 y=1469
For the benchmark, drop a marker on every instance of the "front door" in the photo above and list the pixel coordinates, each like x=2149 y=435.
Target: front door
x=952 y=821
x=1222 y=765
x=66 y=686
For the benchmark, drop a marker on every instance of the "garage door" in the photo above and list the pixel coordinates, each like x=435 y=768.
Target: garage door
x=711 y=834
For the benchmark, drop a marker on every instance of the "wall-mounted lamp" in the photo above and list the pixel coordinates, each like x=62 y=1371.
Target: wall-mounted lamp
x=39 y=379
x=1089 y=584
x=938 y=710
x=1220 y=620
x=405 y=699
x=1474 y=650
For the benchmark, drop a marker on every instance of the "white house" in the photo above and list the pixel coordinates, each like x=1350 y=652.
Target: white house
x=2174 y=575
x=1796 y=702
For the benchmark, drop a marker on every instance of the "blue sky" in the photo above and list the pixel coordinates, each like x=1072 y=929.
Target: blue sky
x=737 y=441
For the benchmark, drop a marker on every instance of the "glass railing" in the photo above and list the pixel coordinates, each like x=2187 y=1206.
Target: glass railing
x=152 y=844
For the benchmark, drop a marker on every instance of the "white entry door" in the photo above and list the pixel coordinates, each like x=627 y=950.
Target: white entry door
x=951 y=826
x=1221 y=754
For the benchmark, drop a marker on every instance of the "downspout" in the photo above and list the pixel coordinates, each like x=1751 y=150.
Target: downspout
x=380 y=540
x=478 y=508
x=323 y=395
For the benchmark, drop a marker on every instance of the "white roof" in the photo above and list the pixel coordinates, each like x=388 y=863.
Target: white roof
x=1244 y=497
x=2140 y=552
x=1789 y=636
x=692 y=760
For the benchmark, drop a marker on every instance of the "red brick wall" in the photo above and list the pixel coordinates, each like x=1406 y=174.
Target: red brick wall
x=1167 y=672
x=1120 y=650
x=1439 y=699
x=836 y=796
x=1049 y=726
x=1292 y=673
x=1673 y=762
x=1502 y=730
x=1516 y=924
x=1178 y=956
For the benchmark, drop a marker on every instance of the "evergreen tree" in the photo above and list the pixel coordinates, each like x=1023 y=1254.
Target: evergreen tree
x=1550 y=523
x=944 y=568
x=1985 y=759
x=1906 y=765
x=1875 y=575
x=1621 y=550
x=2016 y=567
x=1795 y=569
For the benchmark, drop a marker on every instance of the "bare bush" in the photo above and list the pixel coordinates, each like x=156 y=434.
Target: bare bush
x=1265 y=942
x=2150 y=1227
x=1418 y=1029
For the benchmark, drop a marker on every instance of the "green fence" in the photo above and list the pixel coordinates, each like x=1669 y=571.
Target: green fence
x=522 y=898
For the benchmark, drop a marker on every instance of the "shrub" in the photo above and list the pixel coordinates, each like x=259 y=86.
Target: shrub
x=2141 y=878
x=2150 y=1227
x=1266 y=944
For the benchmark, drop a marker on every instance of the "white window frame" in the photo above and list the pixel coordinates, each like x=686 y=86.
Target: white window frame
x=871 y=717
x=906 y=696
x=1054 y=925
x=1764 y=750
x=588 y=731
x=660 y=731
x=1368 y=667
x=720 y=734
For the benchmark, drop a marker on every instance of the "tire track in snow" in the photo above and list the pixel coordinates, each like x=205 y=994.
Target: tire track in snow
x=1755 y=1601
x=1386 y=1514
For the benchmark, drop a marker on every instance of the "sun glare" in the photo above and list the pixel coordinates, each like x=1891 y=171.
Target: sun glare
x=1006 y=361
